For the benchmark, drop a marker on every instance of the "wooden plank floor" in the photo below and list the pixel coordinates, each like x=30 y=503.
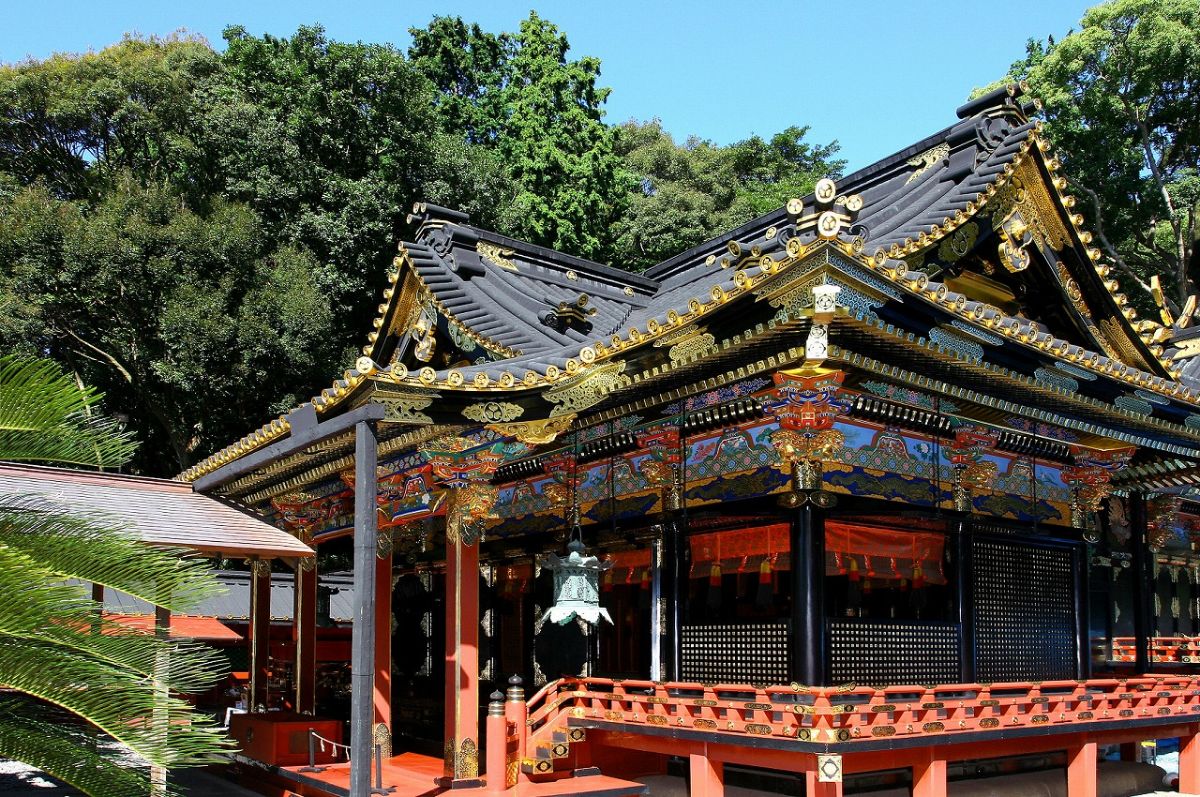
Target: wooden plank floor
x=595 y=785
x=414 y=775
x=409 y=774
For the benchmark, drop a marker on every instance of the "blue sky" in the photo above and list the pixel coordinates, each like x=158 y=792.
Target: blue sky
x=875 y=75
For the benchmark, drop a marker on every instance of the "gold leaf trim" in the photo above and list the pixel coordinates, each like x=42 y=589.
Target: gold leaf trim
x=587 y=390
x=692 y=348
x=926 y=160
x=402 y=407
x=535 y=432
x=496 y=255
x=492 y=411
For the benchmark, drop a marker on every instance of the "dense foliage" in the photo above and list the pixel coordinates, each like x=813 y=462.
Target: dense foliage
x=203 y=235
x=1122 y=106
x=685 y=194
x=69 y=675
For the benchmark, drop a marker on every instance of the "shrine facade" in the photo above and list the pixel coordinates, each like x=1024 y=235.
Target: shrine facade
x=892 y=478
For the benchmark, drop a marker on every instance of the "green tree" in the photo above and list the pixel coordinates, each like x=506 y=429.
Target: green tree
x=72 y=122
x=58 y=655
x=678 y=198
x=1121 y=98
x=466 y=66
x=683 y=195
x=519 y=95
x=202 y=235
x=330 y=143
x=182 y=314
x=770 y=172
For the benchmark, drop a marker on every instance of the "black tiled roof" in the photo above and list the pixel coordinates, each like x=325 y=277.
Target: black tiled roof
x=903 y=195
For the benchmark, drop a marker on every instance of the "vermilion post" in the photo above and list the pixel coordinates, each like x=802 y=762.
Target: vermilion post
x=1189 y=762
x=707 y=777
x=383 y=640
x=304 y=632
x=516 y=711
x=461 y=761
x=929 y=775
x=497 y=745
x=817 y=788
x=260 y=632
x=1082 y=762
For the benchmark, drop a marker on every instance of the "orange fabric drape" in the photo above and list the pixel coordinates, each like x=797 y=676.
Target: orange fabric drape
x=741 y=550
x=629 y=567
x=871 y=551
x=883 y=553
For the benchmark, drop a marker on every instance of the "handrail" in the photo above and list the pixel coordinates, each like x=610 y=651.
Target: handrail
x=849 y=713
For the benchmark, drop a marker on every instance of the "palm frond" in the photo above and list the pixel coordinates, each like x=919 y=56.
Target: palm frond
x=54 y=647
x=46 y=417
x=162 y=729
x=56 y=746
x=99 y=549
x=34 y=607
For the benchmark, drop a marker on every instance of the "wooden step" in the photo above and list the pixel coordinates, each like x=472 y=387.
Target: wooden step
x=552 y=750
x=537 y=766
x=570 y=735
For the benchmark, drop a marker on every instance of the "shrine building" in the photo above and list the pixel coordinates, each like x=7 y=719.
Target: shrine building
x=891 y=484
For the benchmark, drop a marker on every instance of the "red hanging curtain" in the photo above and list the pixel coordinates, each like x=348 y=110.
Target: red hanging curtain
x=741 y=550
x=627 y=567
x=884 y=553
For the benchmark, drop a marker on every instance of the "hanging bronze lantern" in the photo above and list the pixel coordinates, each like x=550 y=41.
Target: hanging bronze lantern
x=577 y=575
x=576 y=586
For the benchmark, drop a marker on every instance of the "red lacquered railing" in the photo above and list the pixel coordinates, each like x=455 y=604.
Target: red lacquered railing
x=1163 y=650
x=848 y=714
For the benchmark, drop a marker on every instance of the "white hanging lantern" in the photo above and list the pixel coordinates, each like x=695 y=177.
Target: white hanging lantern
x=576 y=586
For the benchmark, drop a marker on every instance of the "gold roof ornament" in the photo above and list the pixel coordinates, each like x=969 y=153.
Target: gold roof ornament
x=535 y=432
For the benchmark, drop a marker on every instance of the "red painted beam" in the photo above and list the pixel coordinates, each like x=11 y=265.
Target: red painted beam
x=1189 y=761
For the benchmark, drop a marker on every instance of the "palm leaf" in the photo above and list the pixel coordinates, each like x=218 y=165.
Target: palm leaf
x=46 y=417
x=53 y=646
x=34 y=607
x=162 y=729
x=98 y=549
x=49 y=741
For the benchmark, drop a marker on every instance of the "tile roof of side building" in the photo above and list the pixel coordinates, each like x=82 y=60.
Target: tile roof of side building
x=159 y=511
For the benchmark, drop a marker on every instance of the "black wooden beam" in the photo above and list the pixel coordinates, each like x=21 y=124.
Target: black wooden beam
x=1083 y=612
x=674 y=584
x=301 y=437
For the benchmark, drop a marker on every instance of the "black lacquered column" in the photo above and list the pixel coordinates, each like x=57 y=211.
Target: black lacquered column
x=672 y=587
x=964 y=599
x=808 y=651
x=1143 y=583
